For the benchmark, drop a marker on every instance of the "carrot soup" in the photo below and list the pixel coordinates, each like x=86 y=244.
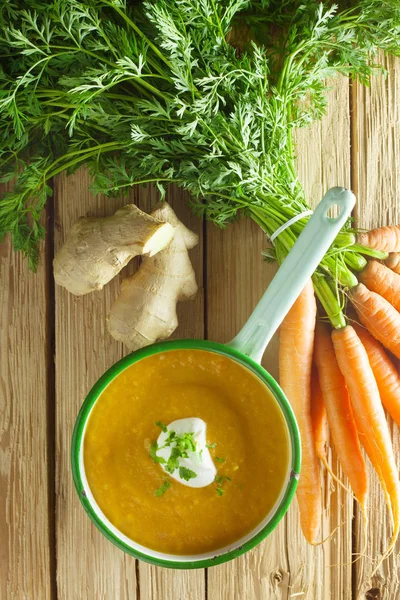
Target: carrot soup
x=186 y=451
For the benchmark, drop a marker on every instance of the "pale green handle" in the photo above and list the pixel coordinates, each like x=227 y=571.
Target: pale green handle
x=301 y=262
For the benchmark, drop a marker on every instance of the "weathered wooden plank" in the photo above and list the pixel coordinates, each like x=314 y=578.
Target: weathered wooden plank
x=171 y=584
x=325 y=571
x=25 y=537
x=236 y=279
x=376 y=160
x=284 y=566
x=88 y=566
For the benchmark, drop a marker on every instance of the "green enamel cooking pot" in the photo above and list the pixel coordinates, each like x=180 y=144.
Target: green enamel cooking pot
x=246 y=348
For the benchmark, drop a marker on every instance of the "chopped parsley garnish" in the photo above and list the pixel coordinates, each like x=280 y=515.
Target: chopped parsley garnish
x=153 y=453
x=186 y=474
x=180 y=446
x=163 y=488
x=170 y=438
x=161 y=425
x=219 y=480
x=173 y=461
x=186 y=443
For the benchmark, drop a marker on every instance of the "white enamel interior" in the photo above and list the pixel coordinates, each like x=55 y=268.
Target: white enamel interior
x=179 y=557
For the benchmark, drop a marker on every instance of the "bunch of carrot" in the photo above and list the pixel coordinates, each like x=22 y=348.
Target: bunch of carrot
x=339 y=380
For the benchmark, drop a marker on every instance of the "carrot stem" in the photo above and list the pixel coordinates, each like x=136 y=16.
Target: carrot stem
x=355 y=261
x=329 y=301
x=373 y=252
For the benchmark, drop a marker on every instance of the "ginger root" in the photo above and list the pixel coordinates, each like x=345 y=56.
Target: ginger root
x=145 y=310
x=98 y=248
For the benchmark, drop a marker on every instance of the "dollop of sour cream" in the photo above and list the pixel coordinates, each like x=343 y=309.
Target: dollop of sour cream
x=199 y=461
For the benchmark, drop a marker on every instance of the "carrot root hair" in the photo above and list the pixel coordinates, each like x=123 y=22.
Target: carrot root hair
x=336 y=478
x=328 y=537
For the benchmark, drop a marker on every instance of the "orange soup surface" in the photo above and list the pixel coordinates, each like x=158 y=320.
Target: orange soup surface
x=246 y=434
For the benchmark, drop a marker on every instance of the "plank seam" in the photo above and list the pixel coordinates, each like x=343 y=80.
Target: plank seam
x=51 y=394
x=137 y=571
x=354 y=187
x=205 y=335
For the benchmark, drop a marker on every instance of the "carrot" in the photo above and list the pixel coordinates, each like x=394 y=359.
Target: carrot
x=295 y=362
x=380 y=279
x=318 y=417
x=340 y=415
x=386 y=239
x=370 y=419
x=385 y=373
x=393 y=262
x=378 y=316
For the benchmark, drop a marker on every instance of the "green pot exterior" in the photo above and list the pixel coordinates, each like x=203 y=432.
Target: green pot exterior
x=116 y=369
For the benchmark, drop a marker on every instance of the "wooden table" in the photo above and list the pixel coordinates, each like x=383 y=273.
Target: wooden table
x=54 y=346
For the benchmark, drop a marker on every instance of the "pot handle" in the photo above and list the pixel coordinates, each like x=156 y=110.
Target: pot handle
x=301 y=262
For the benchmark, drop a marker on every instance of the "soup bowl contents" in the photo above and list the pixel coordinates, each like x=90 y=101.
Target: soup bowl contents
x=185 y=453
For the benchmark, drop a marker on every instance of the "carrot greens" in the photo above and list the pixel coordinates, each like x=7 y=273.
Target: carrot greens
x=203 y=94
